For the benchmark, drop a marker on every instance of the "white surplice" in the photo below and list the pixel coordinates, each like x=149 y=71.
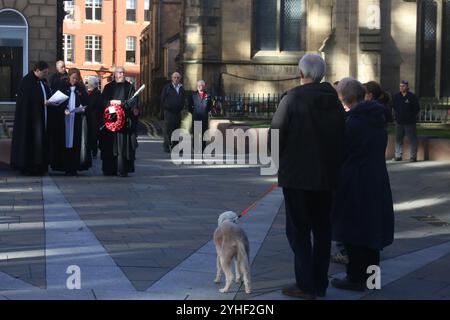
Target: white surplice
x=70 y=119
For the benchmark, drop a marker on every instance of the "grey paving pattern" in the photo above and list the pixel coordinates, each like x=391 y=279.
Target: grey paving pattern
x=149 y=236
x=22 y=235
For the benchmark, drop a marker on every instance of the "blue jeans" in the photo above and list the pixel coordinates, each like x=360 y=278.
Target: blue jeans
x=411 y=133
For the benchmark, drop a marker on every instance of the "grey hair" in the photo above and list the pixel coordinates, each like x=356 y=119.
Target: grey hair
x=313 y=67
x=351 y=90
x=92 y=81
x=118 y=68
x=202 y=82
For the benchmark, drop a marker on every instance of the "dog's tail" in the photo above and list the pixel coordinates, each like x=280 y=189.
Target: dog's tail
x=243 y=257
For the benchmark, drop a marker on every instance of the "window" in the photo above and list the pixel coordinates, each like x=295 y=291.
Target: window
x=131 y=10
x=147 y=4
x=445 y=85
x=93 y=49
x=279 y=25
x=131 y=49
x=69 y=8
x=428 y=49
x=93 y=9
x=68 y=46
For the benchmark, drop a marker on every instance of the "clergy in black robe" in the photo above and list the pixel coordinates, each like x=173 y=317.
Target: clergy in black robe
x=29 y=148
x=69 y=147
x=118 y=149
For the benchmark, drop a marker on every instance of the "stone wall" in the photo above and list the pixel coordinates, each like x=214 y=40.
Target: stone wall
x=41 y=18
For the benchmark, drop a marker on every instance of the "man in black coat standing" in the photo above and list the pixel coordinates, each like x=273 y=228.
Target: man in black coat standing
x=406 y=107
x=29 y=148
x=173 y=100
x=310 y=120
x=58 y=79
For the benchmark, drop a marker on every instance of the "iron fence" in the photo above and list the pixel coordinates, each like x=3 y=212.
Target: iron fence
x=259 y=106
x=263 y=106
x=434 y=110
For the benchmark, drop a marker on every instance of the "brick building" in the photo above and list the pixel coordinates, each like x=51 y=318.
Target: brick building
x=253 y=46
x=28 y=30
x=100 y=34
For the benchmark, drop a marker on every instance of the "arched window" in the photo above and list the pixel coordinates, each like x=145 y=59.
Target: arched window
x=13 y=52
x=279 y=25
x=434 y=75
x=445 y=73
x=428 y=48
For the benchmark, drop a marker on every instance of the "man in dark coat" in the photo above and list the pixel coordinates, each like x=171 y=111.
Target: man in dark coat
x=199 y=106
x=363 y=217
x=118 y=149
x=310 y=120
x=406 y=107
x=29 y=152
x=172 y=102
x=59 y=78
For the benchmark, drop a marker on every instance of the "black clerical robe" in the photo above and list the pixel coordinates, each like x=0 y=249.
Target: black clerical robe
x=76 y=157
x=118 y=149
x=29 y=148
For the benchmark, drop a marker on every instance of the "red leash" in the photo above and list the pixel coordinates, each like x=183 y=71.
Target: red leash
x=273 y=187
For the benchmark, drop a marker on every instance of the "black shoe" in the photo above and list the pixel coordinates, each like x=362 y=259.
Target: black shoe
x=296 y=292
x=413 y=160
x=123 y=175
x=346 y=284
x=398 y=159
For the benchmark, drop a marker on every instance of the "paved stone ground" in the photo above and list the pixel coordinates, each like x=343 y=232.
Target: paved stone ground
x=148 y=236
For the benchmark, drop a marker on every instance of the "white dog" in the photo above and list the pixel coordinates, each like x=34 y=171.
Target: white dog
x=231 y=243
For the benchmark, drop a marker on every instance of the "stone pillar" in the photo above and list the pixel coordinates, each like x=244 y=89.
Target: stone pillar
x=202 y=41
x=369 y=41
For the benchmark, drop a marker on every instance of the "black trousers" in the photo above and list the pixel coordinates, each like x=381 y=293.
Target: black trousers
x=172 y=122
x=360 y=258
x=70 y=160
x=308 y=212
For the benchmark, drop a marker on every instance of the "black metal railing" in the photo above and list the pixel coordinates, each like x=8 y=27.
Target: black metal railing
x=434 y=110
x=260 y=106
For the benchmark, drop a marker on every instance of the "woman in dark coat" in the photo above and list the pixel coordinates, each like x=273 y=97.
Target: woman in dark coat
x=200 y=106
x=94 y=112
x=363 y=216
x=374 y=92
x=69 y=133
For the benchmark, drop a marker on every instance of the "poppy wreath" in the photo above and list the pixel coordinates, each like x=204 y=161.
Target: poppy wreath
x=116 y=123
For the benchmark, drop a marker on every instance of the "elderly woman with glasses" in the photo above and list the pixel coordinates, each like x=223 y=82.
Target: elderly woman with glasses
x=200 y=106
x=363 y=217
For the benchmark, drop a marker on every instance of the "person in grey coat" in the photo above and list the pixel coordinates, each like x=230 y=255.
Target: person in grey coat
x=363 y=215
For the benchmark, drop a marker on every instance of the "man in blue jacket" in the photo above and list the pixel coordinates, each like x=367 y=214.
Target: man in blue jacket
x=406 y=107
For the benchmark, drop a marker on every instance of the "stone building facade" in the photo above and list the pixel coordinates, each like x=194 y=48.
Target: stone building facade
x=28 y=33
x=253 y=46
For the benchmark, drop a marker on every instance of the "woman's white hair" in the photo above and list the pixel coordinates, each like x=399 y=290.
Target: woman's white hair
x=92 y=81
x=313 y=67
x=201 y=82
x=351 y=90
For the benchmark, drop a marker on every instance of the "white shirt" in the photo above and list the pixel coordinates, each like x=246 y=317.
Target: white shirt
x=45 y=99
x=177 y=87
